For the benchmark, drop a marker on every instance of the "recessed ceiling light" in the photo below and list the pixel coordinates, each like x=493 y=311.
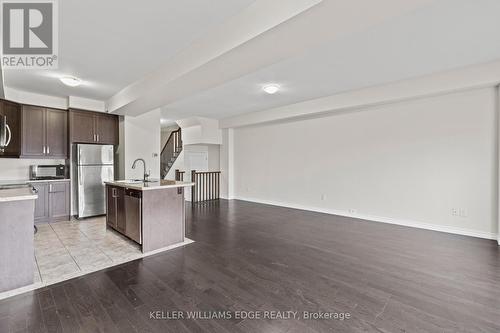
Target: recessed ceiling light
x=71 y=81
x=271 y=88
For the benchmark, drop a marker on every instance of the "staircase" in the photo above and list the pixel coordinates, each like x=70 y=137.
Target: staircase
x=170 y=152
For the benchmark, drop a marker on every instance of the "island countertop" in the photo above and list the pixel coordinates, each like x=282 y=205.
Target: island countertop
x=17 y=194
x=151 y=185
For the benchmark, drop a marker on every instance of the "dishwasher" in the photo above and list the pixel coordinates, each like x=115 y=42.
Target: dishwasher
x=133 y=215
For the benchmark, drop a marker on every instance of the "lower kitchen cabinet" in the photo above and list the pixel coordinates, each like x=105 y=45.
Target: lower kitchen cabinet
x=42 y=202
x=53 y=203
x=115 y=211
x=124 y=211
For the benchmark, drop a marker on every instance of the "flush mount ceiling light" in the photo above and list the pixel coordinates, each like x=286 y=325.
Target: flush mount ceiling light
x=271 y=88
x=71 y=81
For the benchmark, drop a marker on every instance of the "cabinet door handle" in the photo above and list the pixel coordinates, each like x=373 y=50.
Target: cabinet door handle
x=48 y=150
x=43 y=150
x=97 y=137
x=50 y=188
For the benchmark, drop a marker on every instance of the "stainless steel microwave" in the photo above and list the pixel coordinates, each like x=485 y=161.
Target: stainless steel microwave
x=41 y=172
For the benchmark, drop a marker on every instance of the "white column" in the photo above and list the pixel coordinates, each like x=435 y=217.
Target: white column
x=497 y=106
x=227 y=164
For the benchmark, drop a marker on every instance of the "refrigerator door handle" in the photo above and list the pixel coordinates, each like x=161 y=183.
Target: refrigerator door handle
x=80 y=176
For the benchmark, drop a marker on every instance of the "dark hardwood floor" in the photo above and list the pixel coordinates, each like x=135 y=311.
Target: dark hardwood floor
x=253 y=257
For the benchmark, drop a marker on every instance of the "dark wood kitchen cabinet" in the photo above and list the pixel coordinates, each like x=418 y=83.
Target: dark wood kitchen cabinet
x=93 y=127
x=59 y=204
x=44 y=132
x=53 y=202
x=13 y=113
x=115 y=207
x=42 y=202
x=107 y=129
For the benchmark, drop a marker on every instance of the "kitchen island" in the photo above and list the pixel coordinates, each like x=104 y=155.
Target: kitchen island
x=150 y=213
x=17 y=206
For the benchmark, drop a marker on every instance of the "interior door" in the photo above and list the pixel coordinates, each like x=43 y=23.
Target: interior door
x=197 y=160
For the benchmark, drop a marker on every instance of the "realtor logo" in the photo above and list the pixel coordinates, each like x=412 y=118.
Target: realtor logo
x=29 y=34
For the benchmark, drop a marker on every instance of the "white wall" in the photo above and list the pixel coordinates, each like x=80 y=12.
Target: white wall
x=411 y=163
x=200 y=130
x=27 y=97
x=141 y=139
x=18 y=168
x=86 y=104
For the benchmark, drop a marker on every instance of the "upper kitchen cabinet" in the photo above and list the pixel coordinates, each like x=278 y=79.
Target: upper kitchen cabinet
x=12 y=112
x=93 y=127
x=107 y=129
x=44 y=132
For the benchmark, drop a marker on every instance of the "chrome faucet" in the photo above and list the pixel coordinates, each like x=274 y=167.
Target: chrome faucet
x=146 y=175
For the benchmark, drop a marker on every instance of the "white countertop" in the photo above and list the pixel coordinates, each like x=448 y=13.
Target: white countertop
x=154 y=185
x=28 y=181
x=17 y=194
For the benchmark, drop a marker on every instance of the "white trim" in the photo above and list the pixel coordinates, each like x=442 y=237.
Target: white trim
x=382 y=219
x=497 y=138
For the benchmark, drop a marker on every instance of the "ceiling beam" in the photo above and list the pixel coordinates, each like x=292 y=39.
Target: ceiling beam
x=265 y=33
x=471 y=77
x=260 y=16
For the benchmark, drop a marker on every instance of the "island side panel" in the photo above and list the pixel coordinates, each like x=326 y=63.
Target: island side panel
x=17 y=257
x=163 y=218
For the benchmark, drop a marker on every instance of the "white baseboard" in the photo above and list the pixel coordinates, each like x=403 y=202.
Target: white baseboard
x=390 y=220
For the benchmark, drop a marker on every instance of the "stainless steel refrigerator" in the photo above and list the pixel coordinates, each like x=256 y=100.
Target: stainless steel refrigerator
x=94 y=166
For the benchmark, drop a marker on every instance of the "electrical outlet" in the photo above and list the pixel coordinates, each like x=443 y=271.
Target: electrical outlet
x=323 y=197
x=352 y=210
x=462 y=212
x=454 y=211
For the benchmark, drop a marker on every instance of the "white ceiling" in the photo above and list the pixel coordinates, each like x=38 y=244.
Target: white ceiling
x=443 y=35
x=110 y=44
x=116 y=45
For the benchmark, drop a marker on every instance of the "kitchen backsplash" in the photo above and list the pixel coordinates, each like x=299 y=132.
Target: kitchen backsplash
x=18 y=169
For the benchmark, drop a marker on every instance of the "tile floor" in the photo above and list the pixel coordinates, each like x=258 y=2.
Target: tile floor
x=65 y=250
